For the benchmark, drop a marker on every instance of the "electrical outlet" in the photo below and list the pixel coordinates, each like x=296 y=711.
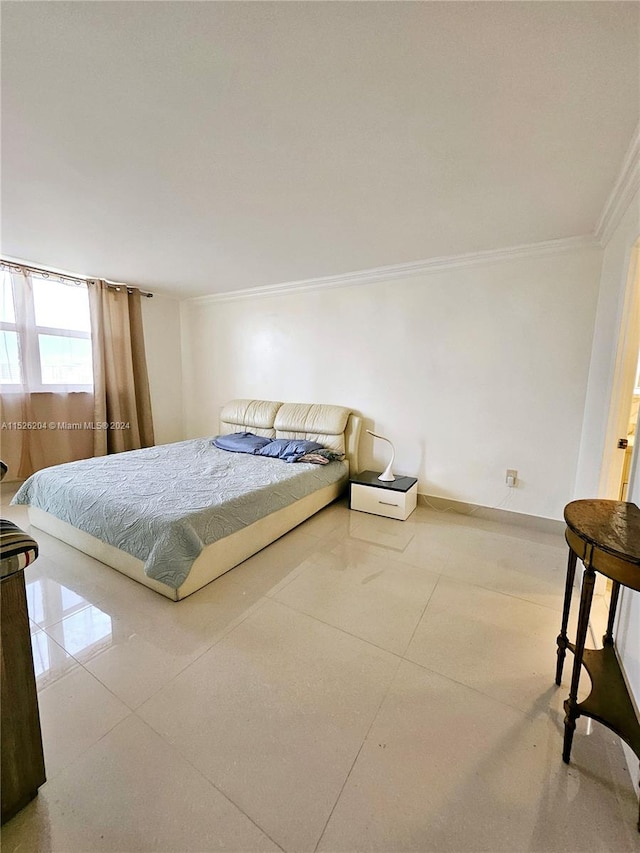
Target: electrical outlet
x=512 y=477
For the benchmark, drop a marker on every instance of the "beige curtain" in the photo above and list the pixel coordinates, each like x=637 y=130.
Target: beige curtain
x=121 y=384
x=46 y=441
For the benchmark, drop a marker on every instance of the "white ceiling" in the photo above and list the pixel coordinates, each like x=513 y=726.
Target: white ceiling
x=202 y=147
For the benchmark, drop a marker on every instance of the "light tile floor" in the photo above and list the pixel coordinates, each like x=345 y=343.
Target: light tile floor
x=361 y=685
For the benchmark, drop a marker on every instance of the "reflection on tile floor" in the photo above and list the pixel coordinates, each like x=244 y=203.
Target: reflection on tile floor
x=360 y=685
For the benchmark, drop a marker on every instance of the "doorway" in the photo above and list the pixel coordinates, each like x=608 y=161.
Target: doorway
x=625 y=394
x=623 y=421
x=629 y=439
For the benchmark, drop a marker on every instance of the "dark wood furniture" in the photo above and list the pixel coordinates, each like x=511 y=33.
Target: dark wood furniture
x=605 y=536
x=22 y=757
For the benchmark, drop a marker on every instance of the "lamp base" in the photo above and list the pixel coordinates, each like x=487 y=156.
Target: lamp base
x=387 y=475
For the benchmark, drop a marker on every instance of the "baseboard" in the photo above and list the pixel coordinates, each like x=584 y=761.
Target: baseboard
x=505 y=516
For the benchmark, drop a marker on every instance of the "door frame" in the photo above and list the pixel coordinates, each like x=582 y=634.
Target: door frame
x=623 y=381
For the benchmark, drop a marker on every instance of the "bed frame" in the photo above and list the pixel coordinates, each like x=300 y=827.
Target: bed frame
x=264 y=417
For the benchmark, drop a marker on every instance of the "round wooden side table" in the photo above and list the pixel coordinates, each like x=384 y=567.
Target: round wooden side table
x=605 y=536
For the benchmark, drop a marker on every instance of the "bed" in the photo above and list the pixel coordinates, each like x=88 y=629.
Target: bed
x=175 y=517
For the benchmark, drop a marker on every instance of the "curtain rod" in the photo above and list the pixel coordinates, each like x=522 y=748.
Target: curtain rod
x=78 y=279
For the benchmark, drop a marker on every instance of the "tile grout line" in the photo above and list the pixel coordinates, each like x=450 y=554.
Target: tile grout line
x=466 y=582
x=130 y=712
x=253 y=609
x=466 y=686
x=414 y=565
x=402 y=656
x=357 y=755
x=178 y=754
x=336 y=628
x=134 y=712
x=421 y=617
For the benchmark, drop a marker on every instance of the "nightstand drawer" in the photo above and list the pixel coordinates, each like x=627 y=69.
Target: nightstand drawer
x=385 y=502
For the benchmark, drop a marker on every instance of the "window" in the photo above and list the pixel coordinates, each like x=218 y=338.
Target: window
x=55 y=339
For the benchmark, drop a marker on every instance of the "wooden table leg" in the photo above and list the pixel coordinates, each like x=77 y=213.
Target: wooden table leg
x=570 y=705
x=615 y=592
x=562 y=636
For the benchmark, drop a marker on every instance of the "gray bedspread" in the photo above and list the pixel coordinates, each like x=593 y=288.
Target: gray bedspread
x=164 y=504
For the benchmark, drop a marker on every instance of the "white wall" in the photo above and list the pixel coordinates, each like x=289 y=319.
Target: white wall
x=161 y=321
x=469 y=370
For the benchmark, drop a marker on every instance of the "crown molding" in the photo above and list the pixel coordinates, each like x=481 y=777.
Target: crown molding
x=624 y=189
x=394 y=271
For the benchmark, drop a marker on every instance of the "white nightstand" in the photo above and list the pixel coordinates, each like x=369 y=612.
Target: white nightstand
x=395 y=499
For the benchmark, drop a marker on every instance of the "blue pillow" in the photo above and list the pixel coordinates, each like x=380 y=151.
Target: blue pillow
x=289 y=449
x=241 y=442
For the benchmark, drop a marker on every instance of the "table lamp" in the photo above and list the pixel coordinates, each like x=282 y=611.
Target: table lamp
x=387 y=475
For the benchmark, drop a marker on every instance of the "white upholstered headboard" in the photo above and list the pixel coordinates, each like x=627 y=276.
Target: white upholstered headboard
x=333 y=426
x=255 y=416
